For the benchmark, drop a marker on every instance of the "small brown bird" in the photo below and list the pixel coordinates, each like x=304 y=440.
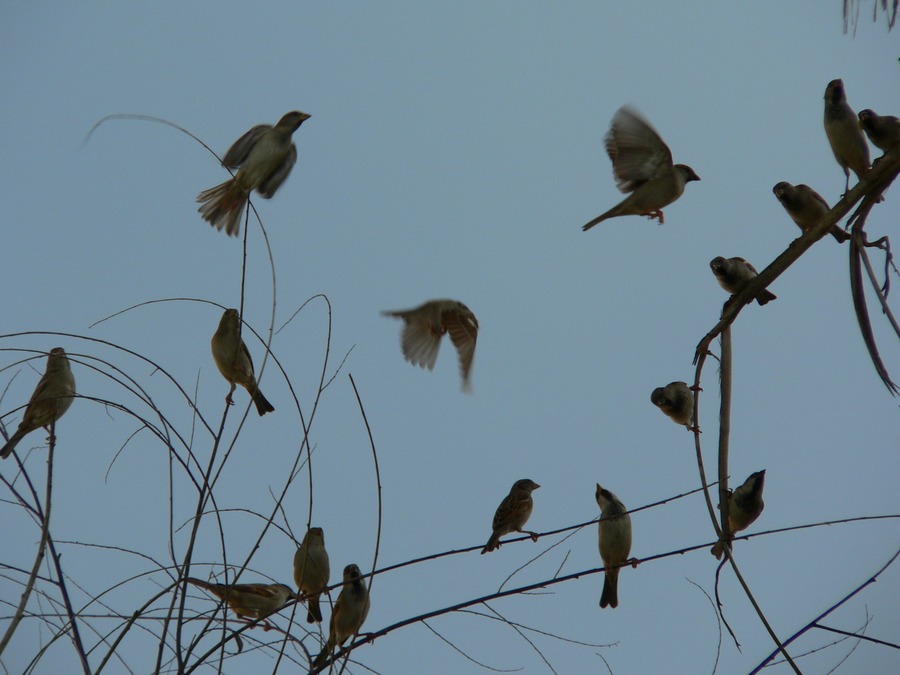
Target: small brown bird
x=233 y=360
x=744 y=506
x=51 y=398
x=263 y=157
x=512 y=514
x=312 y=571
x=676 y=400
x=249 y=601
x=844 y=133
x=806 y=207
x=350 y=611
x=426 y=324
x=733 y=273
x=882 y=130
x=614 y=542
x=642 y=165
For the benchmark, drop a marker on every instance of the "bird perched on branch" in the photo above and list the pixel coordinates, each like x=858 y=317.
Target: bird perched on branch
x=263 y=157
x=882 y=130
x=51 y=398
x=734 y=273
x=350 y=611
x=249 y=601
x=312 y=571
x=676 y=400
x=512 y=514
x=614 y=542
x=426 y=324
x=844 y=133
x=806 y=207
x=744 y=506
x=233 y=360
x=642 y=165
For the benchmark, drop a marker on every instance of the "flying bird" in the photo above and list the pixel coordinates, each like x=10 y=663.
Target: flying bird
x=642 y=165
x=263 y=157
x=426 y=324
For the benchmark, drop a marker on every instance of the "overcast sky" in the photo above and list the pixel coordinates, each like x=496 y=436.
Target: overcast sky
x=454 y=150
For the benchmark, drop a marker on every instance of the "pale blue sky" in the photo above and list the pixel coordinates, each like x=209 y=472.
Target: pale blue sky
x=455 y=151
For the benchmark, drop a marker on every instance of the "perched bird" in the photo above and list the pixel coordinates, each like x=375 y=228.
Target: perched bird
x=844 y=133
x=233 y=360
x=642 y=165
x=249 y=601
x=733 y=273
x=263 y=157
x=349 y=613
x=53 y=395
x=676 y=400
x=512 y=514
x=806 y=207
x=744 y=506
x=426 y=324
x=614 y=542
x=882 y=130
x=312 y=571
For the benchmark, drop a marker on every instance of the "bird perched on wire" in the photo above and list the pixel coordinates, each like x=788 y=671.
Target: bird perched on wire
x=350 y=611
x=51 y=398
x=263 y=157
x=744 y=506
x=882 y=130
x=426 y=324
x=806 y=207
x=512 y=514
x=233 y=360
x=642 y=165
x=249 y=601
x=312 y=571
x=614 y=542
x=734 y=273
x=844 y=133
x=676 y=400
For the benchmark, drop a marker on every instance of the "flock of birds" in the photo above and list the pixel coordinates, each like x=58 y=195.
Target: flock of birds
x=643 y=168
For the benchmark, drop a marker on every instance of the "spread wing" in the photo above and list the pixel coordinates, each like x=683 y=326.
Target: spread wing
x=239 y=150
x=271 y=184
x=463 y=330
x=637 y=152
x=420 y=343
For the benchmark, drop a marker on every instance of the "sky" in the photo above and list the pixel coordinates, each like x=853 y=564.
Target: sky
x=454 y=151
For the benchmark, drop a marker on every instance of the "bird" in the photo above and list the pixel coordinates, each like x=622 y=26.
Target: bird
x=263 y=157
x=312 y=571
x=51 y=398
x=845 y=133
x=676 y=400
x=350 y=611
x=233 y=360
x=642 y=165
x=512 y=514
x=733 y=274
x=806 y=207
x=744 y=506
x=882 y=130
x=426 y=324
x=614 y=542
x=249 y=601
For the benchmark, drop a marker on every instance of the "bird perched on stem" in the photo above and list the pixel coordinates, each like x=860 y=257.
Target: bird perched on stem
x=676 y=400
x=349 y=613
x=744 y=506
x=733 y=274
x=233 y=360
x=426 y=324
x=312 y=571
x=614 y=542
x=642 y=165
x=51 y=398
x=512 y=514
x=806 y=207
x=263 y=157
x=844 y=133
x=249 y=601
x=882 y=130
